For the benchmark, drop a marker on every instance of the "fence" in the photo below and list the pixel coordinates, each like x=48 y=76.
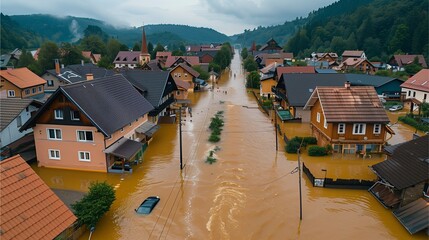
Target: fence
x=338 y=183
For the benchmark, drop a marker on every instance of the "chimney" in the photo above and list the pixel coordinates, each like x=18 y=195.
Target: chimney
x=82 y=62
x=62 y=65
x=57 y=67
x=89 y=76
x=347 y=85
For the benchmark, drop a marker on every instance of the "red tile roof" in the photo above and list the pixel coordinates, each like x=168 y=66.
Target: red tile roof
x=298 y=69
x=403 y=60
x=420 y=81
x=182 y=84
x=356 y=53
x=359 y=104
x=22 y=77
x=28 y=207
x=127 y=57
x=163 y=54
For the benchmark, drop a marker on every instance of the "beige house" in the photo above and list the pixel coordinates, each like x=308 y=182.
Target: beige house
x=20 y=83
x=416 y=89
x=97 y=125
x=185 y=73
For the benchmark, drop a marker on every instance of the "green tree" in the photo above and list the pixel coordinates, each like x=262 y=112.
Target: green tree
x=223 y=56
x=94 y=44
x=249 y=64
x=92 y=30
x=150 y=47
x=136 y=47
x=215 y=67
x=94 y=204
x=70 y=54
x=203 y=73
x=158 y=48
x=253 y=80
x=399 y=39
x=27 y=60
x=177 y=52
x=48 y=53
x=244 y=53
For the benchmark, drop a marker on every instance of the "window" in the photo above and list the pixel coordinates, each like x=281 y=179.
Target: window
x=175 y=75
x=18 y=121
x=27 y=91
x=40 y=88
x=33 y=90
x=85 y=136
x=54 y=154
x=424 y=97
x=318 y=117
x=377 y=128
x=11 y=93
x=54 y=134
x=359 y=128
x=179 y=74
x=409 y=93
x=341 y=128
x=84 y=156
x=414 y=93
x=58 y=113
x=325 y=123
x=50 y=83
x=74 y=115
x=177 y=93
x=186 y=75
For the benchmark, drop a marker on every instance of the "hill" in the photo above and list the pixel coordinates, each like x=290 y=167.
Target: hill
x=14 y=36
x=380 y=28
x=70 y=29
x=282 y=33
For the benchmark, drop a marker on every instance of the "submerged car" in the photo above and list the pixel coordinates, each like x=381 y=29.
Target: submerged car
x=395 y=108
x=147 y=205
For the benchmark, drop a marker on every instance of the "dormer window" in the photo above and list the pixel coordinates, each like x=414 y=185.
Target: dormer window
x=75 y=115
x=58 y=114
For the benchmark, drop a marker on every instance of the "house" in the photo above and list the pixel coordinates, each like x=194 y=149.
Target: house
x=11 y=59
x=327 y=56
x=416 y=89
x=21 y=83
x=158 y=87
x=357 y=64
x=206 y=56
x=185 y=73
x=181 y=94
x=131 y=59
x=29 y=209
x=398 y=62
x=352 y=54
x=14 y=113
x=350 y=118
x=267 y=84
x=281 y=58
x=91 y=126
x=72 y=74
x=152 y=65
x=271 y=46
x=161 y=57
x=293 y=90
x=173 y=61
x=297 y=69
x=94 y=58
x=402 y=182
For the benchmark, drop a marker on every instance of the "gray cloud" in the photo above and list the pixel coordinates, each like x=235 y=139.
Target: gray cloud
x=227 y=16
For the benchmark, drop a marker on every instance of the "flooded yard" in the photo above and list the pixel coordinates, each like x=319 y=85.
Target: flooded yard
x=250 y=192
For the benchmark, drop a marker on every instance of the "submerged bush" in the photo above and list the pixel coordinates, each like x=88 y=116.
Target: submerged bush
x=214 y=138
x=317 y=151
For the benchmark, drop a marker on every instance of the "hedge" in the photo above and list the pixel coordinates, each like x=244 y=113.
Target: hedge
x=413 y=122
x=317 y=151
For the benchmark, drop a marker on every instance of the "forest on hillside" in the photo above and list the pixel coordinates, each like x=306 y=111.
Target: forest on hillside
x=381 y=28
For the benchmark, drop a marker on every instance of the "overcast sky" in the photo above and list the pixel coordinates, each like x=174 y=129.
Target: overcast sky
x=226 y=16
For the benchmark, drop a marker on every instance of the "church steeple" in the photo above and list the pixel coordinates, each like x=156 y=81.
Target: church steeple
x=144 y=54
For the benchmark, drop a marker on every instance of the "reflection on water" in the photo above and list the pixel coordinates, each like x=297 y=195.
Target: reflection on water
x=249 y=193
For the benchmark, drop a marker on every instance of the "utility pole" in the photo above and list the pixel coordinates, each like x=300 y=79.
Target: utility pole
x=180 y=135
x=300 y=193
x=275 y=125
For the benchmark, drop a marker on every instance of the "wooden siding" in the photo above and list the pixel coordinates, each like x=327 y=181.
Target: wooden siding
x=266 y=86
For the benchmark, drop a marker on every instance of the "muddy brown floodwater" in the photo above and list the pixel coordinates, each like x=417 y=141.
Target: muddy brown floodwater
x=248 y=193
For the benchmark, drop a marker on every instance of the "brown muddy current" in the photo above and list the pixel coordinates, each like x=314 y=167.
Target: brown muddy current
x=248 y=193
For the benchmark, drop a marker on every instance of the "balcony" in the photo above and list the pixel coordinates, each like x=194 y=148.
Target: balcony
x=279 y=93
x=161 y=107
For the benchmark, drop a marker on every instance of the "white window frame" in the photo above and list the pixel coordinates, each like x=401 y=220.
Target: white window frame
x=55 y=133
x=27 y=91
x=50 y=83
x=362 y=129
x=186 y=75
x=318 y=117
x=84 y=140
x=86 y=156
x=377 y=126
x=325 y=124
x=341 y=126
x=58 y=114
x=11 y=93
x=72 y=117
x=56 y=156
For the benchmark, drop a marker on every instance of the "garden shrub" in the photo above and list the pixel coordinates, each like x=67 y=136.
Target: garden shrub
x=413 y=122
x=317 y=151
x=292 y=146
x=214 y=138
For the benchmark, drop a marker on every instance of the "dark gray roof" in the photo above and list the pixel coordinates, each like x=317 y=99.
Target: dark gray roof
x=319 y=70
x=409 y=164
x=299 y=86
x=10 y=108
x=369 y=80
x=154 y=84
x=124 y=148
x=110 y=102
x=77 y=72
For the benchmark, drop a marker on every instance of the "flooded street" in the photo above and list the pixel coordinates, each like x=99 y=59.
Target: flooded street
x=248 y=193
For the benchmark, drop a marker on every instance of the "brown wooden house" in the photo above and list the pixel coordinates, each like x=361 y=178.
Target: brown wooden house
x=351 y=119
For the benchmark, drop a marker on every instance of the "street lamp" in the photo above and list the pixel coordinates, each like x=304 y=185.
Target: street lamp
x=324 y=180
x=300 y=192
